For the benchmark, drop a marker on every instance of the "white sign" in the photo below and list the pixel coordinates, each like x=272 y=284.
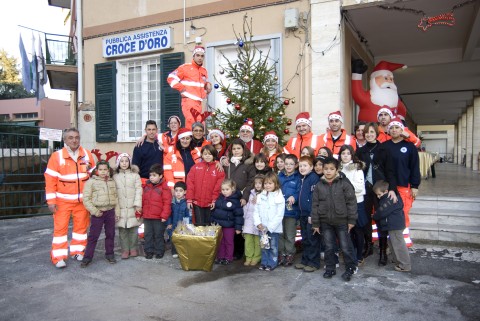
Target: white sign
x=51 y=134
x=137 y=42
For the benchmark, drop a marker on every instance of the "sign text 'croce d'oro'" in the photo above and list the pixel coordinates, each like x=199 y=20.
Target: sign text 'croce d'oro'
x=137 y=42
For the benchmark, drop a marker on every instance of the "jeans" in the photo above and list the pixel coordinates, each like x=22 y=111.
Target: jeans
x=310 y=244
x=330 y=234
x=270 y=256
x=108 y=220
x=154 y=236
x=286 y=243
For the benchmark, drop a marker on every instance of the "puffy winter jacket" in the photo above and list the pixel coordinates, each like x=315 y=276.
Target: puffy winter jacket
x=355 y=175
x=99 y=195
x=290 y=187
x=156 y=201
x=389 y=216
x=334 y=203
x=204 y=183
x=228 y=211
x=129 y=190
x=307 y=186
x=242 y=175
x=248 y=225
x=269 y=211
x=179 y=212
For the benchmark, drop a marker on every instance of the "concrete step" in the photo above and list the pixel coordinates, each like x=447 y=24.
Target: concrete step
x=452 y=203
x=448 y=233
x=445 y=216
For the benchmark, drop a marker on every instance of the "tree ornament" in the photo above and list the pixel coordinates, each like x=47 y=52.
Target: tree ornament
x=286 y=131
x=275 y=78
x=216 y=86
x=270 y=119
x=237 y=106
x=229 y=101
x=262 y=127
x=286 y=102
x=243 y=110
x=246 y=78
x=281 y=113
x=240 y=43
x=293 y=101
x=289 y=122
x=214 y=114
x=221 y=71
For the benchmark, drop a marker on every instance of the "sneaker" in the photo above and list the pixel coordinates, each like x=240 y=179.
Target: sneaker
x=253 y=263
x=226 y=262
x=159 y=256
x=218 y=261
x=288 y=260
x=309 y=268
x=77 y=257
x=111 y=260
x=268 y=268
x=347 y=275
x=60 y=264
x=322 y=255
x=300 y=266
x=400 y=269
x=329 y=274
x=85 y=263
x=175 y=256
x=149 y=256
x=337 y=265
x=262 y=267
x=247 y=262
x=125 y=255
x=361 y=262
x=133 y=253
x=355 y=271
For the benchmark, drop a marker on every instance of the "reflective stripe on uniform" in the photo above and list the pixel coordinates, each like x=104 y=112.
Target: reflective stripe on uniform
x=51 y=196
x=191 y=96
x=52 y=172
x=69 y=196
x=59 y=252
x=313 y=143
x=167 y=167
x=192 y=83
x=178 y=174
x=77 y=248
x=59 y=239
x=170 y=184
x=80 y=237
x=73 y=177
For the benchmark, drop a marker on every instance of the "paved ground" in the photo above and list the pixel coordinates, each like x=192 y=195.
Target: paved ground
x=444 y=285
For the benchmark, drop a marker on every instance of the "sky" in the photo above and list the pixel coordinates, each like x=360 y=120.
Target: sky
x=35 y=14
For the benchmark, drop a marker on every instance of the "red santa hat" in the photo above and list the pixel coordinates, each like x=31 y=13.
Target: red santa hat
x=198 y=49
x=303 y=118
x=248 y=125
x=335 y=115
x=215 y=131
x=386 y=68
x=270 y=134
x=385 y=109
x=396 y=122
x=183 y=132
x=119 y=157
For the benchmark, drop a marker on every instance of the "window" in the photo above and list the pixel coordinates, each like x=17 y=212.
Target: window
x=139 y=101
x=25 y=115
x=4 y=117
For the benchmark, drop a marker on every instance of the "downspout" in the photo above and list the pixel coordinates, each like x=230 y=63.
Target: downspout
x=184 y=28
x=78 y=5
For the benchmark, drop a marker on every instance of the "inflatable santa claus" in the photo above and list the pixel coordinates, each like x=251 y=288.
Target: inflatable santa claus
x=382 y=94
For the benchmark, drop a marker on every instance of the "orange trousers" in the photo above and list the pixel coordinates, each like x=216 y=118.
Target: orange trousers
x=188 y=104
x=61 y=219
x=407 y=198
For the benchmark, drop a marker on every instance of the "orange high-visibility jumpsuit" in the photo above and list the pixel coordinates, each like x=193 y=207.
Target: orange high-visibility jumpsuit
x=335 y=146
x=295 y=144
x=64 y=181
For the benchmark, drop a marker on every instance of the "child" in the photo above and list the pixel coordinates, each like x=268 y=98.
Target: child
x=261 y=164
x=279 y=163
x=334 y=210
x=129 y=190
x=325 y=152
x=318 y=165
x=307 y=151
x=290 y=183
x=352 y=167
x=203 y=183
x=268 y=216
x=310 y=242
x=271 y=148
x=390 y=217
x=253 y=252
x=156 y=211
x=228 y=214
x=180 y=211
x=100 y=199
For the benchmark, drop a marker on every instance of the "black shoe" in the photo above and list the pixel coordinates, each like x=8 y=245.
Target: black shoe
x=85 y=263
x=159 y=256
x=329 y=274
x=226 y=262
x=111 y=260
x=347 y=275
x=218 y=261
x=149 y=256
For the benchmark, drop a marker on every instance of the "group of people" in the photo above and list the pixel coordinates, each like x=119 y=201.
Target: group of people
x=332 y=184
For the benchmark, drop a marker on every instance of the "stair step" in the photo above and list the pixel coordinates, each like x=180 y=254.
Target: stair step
x=445 y=232
x=447 y=204
x=445 y=216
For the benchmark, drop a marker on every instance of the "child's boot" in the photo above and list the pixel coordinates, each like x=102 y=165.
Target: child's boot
x=125 y=255
x=133 y=253
x=383 y=259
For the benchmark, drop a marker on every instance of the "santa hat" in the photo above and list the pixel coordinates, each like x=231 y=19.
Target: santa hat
x=386 y=68
x=119 y=157
x=303 y=118
x=199 y=49
x=335 y=115
x=183 y=132
x=270 y=134
x=248 y=125
x=385 y=110
x=396 y=122
x=216 y=131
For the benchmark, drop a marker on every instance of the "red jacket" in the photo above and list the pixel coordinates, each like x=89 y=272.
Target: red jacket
x=295 y=144
x=190 y=80
x=156 y=201
x=344 y=139
x=204 y=183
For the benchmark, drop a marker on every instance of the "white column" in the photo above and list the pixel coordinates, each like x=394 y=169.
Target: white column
x=464 y=136
x=469 y=133
x=327 y=63
x=476 y=138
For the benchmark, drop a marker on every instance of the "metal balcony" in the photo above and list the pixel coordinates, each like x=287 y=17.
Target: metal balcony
x=61 y=62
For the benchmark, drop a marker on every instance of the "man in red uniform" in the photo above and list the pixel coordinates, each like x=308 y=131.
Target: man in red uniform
x=190 y=79
x=304 y=137
x=67 y=171
x=385 y=115
x=383 y=91
x=336 y=136
x=246 y=134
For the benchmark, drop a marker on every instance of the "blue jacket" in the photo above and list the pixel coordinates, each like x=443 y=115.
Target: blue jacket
x=145 y=156
x=305 y=198
x=179 y=212
x=389 y=216
x=290 y=187
x=228 y=211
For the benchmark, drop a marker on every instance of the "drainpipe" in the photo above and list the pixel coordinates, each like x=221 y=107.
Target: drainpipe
x=184 y=28
x=78 y=4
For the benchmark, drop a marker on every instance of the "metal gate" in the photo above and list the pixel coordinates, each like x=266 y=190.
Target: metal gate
x=23 y=159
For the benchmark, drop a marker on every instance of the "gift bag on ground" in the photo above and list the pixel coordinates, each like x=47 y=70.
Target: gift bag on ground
x=197 y=251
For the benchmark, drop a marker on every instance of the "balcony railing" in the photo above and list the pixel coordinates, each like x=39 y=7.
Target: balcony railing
x=59 y=50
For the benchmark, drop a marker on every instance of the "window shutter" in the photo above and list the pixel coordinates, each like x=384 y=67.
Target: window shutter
x=170 y=98
x=105 y=102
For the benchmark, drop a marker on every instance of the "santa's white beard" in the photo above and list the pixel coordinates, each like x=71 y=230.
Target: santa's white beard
x=383 y=96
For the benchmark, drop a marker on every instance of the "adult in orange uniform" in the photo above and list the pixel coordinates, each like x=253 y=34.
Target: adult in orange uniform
x=336 y=136
x=67 y=171
x=190 y=79
x=304 y=137
x=385 y=115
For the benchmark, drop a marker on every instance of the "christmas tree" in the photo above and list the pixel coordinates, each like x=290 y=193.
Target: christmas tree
x=251 y=91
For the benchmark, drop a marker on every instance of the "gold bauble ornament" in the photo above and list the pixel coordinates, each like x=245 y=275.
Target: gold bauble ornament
x=262 y=127
x=246 y=78
x=281 y=113
x=275 y=78
x=293 y=101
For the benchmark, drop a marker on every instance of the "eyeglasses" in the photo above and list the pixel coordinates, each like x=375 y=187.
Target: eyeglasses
x=198 y=130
